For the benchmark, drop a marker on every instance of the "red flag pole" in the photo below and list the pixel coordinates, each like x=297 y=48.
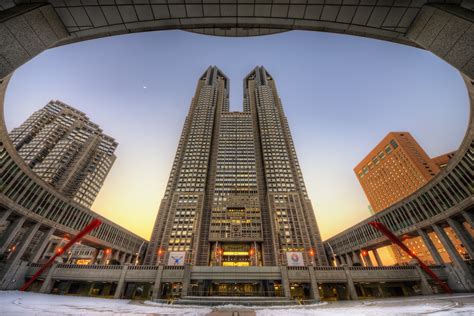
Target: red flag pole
x=382 y=228
x=91 y=226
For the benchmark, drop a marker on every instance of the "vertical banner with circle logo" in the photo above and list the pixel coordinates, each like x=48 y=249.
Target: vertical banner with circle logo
x=295 y=259
x=176 y=258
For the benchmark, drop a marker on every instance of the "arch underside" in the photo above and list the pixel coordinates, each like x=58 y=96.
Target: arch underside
x=388 y=20
x=446 y=28
x=30 y=26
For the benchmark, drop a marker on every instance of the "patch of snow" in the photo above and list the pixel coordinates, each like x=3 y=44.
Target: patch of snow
x=27 y=303
x=461 y=305
x=14 y=303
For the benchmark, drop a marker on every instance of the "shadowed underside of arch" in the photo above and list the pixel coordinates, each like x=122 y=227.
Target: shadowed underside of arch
x=446 y=28
x=94 y=18
x=29 y=26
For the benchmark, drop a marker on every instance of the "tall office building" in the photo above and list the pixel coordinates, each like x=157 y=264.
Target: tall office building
x=236 y=195
x=66 y=150
x=394 y=169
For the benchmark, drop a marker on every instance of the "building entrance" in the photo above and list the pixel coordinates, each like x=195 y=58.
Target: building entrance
x=266 y=288
x=236 y=254
x=236 y=289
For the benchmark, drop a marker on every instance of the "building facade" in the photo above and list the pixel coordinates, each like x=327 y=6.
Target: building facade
x=394 y=169
x=236 y=195
x=397 y=167
x=66 y=150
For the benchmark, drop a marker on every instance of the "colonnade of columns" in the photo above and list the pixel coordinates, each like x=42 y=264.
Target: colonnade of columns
x=462 y=275
x=108 y=255
x=15 y=244
x=359 y=258
x=23 y=239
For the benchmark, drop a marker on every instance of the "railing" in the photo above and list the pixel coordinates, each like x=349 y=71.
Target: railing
x=143 y=267
x=391 y=268
x=298 y=268
x=174 y=268
x=89 y=266
x=328 y=268
x=153 y=267
x=104 y=266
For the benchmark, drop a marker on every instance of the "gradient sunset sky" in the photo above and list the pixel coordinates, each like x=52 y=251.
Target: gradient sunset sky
x=341 y=94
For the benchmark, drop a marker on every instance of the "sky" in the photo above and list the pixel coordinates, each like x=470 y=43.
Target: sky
x=342 y=94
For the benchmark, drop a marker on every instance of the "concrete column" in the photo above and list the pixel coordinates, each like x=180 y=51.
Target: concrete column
x=47 y=284
x=8 y=271
x=17 y=277
x=367 y=260
x=469 y=216
x=42 y=245
x=121 y=283
x=459 y=264
x=356 y=257
x=186 y=279
x=464 y=236
x=314 y=284
x=343 y=260
x=94 y=256
x=424 y=285
x=381 y=291
x=4 y=216
x=431 y=247
x=10 y=233
x=350 y=284
x=377 y=257
x=122 y=258
x=157 y=285
x=105 y=257
x=23 y=244
x=126 y=259
x=454 y=279
x=285 y=282
x=348 y=259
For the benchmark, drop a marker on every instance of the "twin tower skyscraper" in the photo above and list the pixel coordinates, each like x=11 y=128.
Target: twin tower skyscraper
x=236 y=195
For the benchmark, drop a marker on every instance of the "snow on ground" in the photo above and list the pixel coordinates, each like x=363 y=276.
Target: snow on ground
x=27 y=303
x=461 y=304
x=20 y=303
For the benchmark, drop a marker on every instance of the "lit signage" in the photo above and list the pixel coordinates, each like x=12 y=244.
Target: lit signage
x=236 y=253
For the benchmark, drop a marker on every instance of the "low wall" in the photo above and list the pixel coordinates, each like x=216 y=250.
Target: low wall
x=175 y=273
